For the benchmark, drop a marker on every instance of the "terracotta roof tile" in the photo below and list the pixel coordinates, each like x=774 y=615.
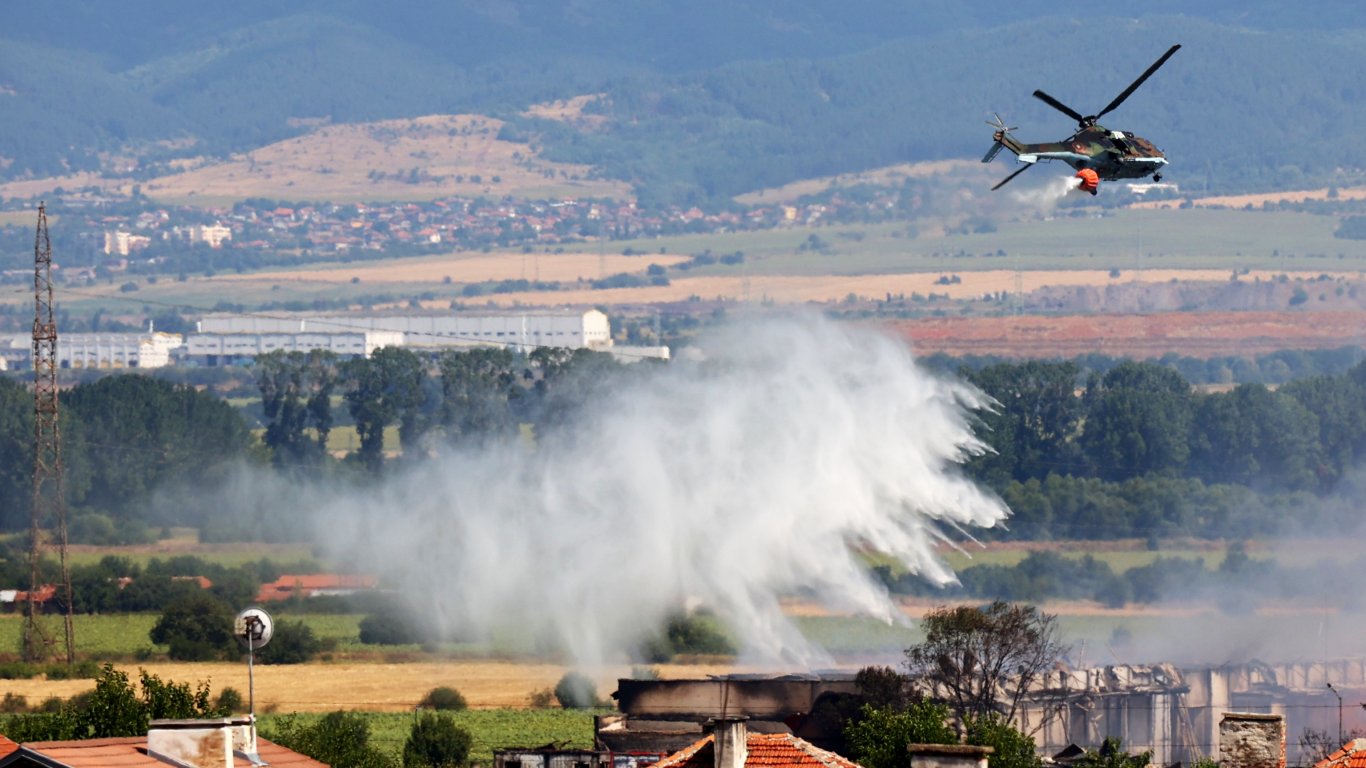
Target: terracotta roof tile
x=1352 y=755
x=6 y=746
x=766 y=750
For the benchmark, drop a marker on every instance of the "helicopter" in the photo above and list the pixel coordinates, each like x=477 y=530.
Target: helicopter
x=1095 y=151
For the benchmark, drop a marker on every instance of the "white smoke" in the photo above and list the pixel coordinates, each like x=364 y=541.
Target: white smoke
x=1047 y=197
x=754 y=472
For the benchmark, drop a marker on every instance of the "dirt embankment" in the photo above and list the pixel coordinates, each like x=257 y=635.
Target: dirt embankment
x=1193 y=334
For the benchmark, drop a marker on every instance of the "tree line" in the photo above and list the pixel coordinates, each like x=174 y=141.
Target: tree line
x=1142 y=422
x=1133 y=451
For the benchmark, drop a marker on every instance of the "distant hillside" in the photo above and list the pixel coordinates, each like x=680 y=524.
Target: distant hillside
x=701 y=101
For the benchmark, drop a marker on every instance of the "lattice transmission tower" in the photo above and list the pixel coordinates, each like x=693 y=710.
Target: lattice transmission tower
x=49 y=486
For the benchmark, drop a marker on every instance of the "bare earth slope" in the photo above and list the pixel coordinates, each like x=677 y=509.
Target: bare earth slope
x=1194 y=334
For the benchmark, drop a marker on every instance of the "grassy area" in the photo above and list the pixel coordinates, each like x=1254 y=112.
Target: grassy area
x=1120 y=239
x=489 y=729
x=227 y=555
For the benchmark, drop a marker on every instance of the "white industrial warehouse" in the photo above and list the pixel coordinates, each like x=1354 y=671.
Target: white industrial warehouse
x=235 y=339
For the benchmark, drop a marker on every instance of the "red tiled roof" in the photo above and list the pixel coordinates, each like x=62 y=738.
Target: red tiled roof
x=770 y=750
x=1352 y=755
x=6 y=746
x=304 y=584
x=132 y=751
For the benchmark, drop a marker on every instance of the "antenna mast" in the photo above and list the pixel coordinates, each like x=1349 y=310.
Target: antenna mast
x=49 y=487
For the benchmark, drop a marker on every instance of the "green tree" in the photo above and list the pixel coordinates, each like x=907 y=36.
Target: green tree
x=147 y=432
x=476 y=387
x=1011 y=748
x=197 y=627
x=1112 y=755
x=878 y=736
x=292 y=642
x=982 y=660
x=1137 y=421
x=114 y=708
x=1034 y=428
x=340 y=739
x=296 y=394
x=444 y=698
x=1254 y=436
x=384 y=389
x=1338 y=404
x=436 y=742
x=16 y=453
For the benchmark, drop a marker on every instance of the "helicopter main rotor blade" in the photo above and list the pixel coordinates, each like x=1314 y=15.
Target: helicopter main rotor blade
x=1007 y=179
x=1061 y=107
x=1134 y=86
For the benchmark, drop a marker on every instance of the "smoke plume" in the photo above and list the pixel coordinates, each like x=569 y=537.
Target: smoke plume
x=756 y=470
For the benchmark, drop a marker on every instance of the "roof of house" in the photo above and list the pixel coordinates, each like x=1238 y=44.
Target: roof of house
x=769 y=750
x=1352 y=755
x=304 y=584
x=131 y=751
x=6 y=746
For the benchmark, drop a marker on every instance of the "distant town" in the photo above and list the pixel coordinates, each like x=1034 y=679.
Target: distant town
x=155 y=239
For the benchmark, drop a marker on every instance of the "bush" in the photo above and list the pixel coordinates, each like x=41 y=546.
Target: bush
x=339 y=738
x=229 y=702
x=576 y=691
x=443 y=698
x=197 y=627
x=389 y=626
x=292 y=642
x=436 y=741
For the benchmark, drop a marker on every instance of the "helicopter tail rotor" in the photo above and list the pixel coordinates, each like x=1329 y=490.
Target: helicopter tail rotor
x=1001 y=130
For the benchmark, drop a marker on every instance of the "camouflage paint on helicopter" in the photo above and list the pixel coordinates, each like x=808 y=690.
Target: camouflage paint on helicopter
x=1108 y=155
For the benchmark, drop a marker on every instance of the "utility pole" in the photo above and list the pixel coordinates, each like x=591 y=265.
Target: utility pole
x=49 y=487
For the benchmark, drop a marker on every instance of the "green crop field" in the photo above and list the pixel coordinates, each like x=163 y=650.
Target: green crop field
x=489 y=729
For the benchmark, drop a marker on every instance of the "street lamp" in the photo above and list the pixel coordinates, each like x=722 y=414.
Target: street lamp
x=1335 y=693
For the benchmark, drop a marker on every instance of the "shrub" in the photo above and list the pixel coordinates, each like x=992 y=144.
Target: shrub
x=443 y=698
x=389 y=626
x=229 y=702
x=292 y=642
x=436 y=741
x=197 y=627
x=576 y=691
x=339 y=738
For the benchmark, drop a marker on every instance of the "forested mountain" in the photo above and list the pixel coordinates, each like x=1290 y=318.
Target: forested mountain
x=704 y=99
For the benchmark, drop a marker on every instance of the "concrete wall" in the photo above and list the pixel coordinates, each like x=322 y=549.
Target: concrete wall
x=1251 y=741
x=698 y=700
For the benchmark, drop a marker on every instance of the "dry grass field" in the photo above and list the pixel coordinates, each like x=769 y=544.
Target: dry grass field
x=887 y=176
x=418 y=159
x=468 y=268
x=796 y=289
x=384 y=687
x=1256 y=201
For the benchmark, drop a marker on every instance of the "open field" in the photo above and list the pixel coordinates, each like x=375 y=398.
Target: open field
x=804 y=264
x=467 y=268
x=489 y=729
x=418 y=159
x=1258 y=200
x=1193 y=334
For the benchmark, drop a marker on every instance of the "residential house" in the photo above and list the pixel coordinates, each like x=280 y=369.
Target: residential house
x=732 y=745
x=315 y=585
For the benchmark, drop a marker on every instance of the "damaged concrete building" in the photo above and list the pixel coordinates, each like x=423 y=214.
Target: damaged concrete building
x=1176 y=713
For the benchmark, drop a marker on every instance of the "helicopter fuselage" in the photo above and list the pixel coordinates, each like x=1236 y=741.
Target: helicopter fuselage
x=1111 y=154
